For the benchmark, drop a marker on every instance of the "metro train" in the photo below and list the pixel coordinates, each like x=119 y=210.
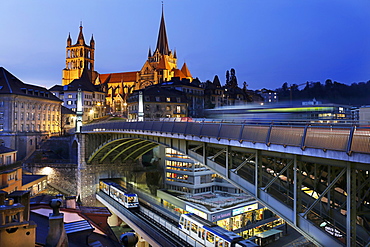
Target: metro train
x=210 y=234
x=120 y=194
x=324 y=113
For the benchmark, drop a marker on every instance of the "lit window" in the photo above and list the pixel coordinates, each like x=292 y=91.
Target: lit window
x=168 y=99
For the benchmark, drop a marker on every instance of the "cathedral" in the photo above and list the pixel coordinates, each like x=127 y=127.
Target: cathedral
x=160 y=66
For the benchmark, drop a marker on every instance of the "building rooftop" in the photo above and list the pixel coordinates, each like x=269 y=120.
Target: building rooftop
x=26 y=179
x=4 y=150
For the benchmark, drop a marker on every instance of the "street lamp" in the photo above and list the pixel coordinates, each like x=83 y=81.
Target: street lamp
x=125 y=106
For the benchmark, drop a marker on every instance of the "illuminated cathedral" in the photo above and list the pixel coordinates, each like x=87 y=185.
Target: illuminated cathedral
x=160 y=66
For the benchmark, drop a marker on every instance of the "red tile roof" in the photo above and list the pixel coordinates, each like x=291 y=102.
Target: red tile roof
x=118 y=77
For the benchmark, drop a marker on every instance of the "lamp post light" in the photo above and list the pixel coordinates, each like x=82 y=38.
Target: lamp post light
x=125 y=107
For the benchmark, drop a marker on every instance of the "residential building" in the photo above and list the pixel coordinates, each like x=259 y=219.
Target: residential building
x=28 y=114
x=269 y=96
x=10 y=170
x=82 y=93
x=216 y=95
x=156 y=102
x=193 y=92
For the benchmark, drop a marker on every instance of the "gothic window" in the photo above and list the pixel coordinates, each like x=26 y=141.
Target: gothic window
x=81 y=53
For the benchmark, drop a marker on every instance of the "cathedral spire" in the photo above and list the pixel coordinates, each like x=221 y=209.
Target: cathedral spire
x=162 y=42
x=150 y=52
x=69 y=40
x=81 y=39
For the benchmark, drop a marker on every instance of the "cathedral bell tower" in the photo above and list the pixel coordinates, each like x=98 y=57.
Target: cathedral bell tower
x=79 y=57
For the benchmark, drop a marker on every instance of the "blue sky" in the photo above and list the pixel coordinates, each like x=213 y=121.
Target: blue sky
x=267 y=42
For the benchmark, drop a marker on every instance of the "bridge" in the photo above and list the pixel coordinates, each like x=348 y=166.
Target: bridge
x=314 y=177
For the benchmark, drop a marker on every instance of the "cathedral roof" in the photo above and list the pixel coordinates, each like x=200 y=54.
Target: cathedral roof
x=162 y=42
x=163 y=64
x=185 y=70
x=178 y=73
x=9 y=84
x=118 y=77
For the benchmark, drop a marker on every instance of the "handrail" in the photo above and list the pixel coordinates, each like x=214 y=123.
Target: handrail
x=333 y=137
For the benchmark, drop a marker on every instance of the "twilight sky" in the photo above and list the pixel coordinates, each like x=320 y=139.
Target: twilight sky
x=267 y=42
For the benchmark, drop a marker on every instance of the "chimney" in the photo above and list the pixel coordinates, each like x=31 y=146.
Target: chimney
x=57 y=236
x=71 y=202
x=22 y=197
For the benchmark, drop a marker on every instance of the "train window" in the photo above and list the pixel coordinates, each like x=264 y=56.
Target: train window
x=182 y=221
x=219 y=242
x=194 y=228
x=201 y=233
x=226 y=244
x=210 y=237
x=187 y=225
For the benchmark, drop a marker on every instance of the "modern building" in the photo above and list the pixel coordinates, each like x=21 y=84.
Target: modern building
x=190 y=187
x=28 y=114
x=364 y=115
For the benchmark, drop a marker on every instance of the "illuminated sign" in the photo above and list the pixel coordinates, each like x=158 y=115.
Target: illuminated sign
x=245 y=209
x=196 y=211
x=221 y=216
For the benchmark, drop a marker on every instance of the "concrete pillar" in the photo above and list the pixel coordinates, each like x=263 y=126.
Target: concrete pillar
x=113 y=220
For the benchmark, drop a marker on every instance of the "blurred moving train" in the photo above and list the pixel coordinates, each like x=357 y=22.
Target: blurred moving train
x=120 y=194
x=210 y=234
x=323 y=113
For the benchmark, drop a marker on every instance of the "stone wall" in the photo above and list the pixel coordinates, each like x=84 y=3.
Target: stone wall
x=92 y=173
x=62 y=177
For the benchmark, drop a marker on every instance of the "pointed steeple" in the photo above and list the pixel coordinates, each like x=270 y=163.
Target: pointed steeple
x=150 y=52
x=185 y=70
x=92 y=41
x=80 y=39
x=69 y=40
x=162 y=42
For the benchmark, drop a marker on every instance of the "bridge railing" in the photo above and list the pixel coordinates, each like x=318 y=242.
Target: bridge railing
x=339 y=138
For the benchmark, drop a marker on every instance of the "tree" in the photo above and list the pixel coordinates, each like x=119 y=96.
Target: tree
x=227 y=77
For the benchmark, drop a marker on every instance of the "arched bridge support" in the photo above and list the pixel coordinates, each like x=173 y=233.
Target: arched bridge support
x=323 y=193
